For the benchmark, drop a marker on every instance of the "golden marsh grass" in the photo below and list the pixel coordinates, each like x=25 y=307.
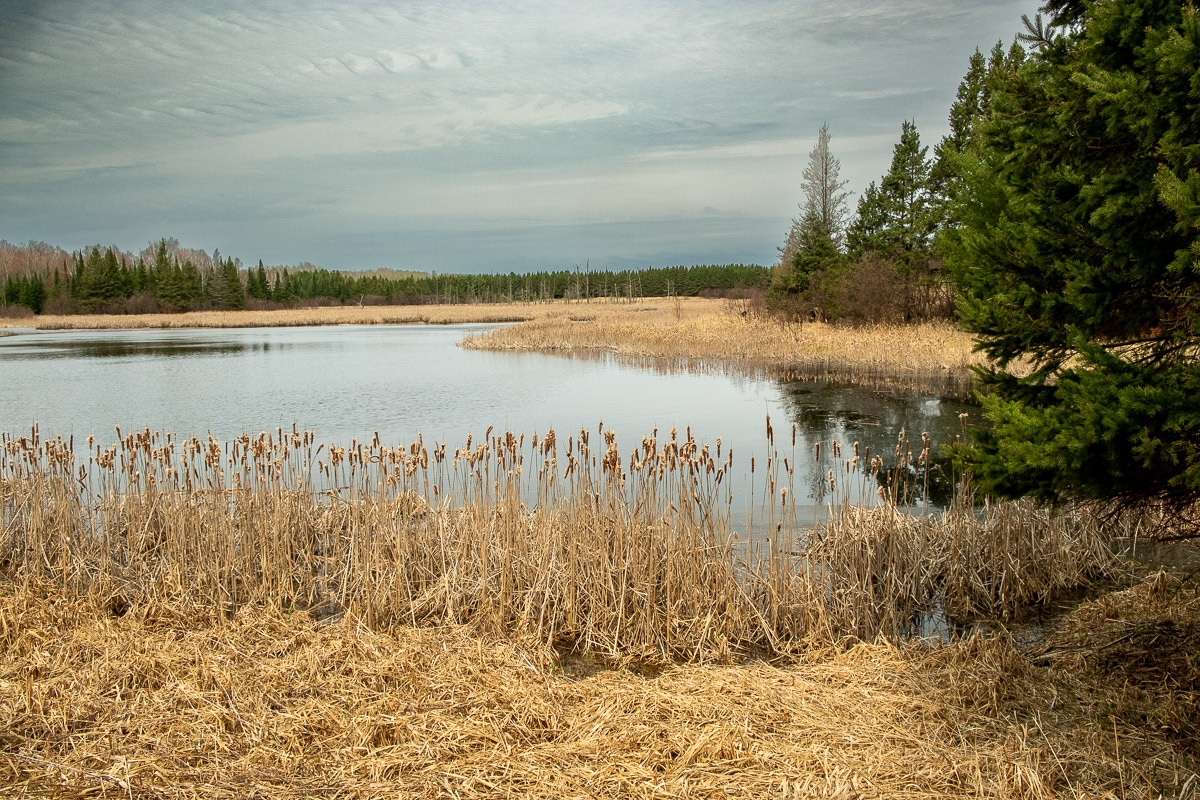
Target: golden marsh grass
x=158 y=700
x=692 y=329
x=324 y=315
x=572 y=541
x=198 y=618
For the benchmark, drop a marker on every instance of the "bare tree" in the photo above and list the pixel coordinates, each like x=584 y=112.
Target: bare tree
x=824 y=212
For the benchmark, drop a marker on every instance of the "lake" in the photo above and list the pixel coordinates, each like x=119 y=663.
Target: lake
x=348 y=382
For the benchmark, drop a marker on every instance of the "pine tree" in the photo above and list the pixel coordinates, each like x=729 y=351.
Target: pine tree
x=968 y=111
x=867 y=233
x=235 y=294
x=897 y=220
x=1079 y=255
x=824 y=192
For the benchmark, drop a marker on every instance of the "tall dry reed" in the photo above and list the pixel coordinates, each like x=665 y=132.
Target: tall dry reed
x=927 y=356
x=576 y=543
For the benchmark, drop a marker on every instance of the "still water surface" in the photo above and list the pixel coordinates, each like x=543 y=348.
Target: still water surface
x=349 y=382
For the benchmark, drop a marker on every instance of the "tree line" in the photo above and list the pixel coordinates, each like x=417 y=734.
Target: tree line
x=166 y=278
x=1059 y=222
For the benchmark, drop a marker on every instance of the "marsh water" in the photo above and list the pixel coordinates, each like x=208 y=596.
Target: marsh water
x=348 y=382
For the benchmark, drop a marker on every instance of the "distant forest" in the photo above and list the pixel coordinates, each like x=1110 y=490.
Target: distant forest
x=40 y=278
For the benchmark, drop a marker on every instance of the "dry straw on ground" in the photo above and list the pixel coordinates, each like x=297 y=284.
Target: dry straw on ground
x=154 y=700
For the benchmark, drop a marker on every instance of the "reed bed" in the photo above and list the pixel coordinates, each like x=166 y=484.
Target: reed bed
x=522 y=616
x=690 y=329
x=577 y=543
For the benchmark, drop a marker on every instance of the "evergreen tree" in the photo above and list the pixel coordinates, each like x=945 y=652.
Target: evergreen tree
x=283 y=291
x=1078 y=254
x=256 y=283
x=235 y=294
x=868 y=232
x=213 y=279
x=898 y=219
x=824 y=192
x=32 y=293
x=968 y=111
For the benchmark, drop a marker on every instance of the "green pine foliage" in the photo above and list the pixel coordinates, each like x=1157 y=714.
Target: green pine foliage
x=1078 y=258
x=28 y=291
x=898 y=219
x=105 y=280
x=968 y=111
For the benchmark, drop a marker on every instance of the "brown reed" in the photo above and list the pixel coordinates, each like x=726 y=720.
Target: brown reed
x=320 y=315
x=577 y=544
x=934 y=357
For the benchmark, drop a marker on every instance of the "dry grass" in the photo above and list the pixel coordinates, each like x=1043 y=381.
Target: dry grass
x=1143 y=645
x=331 y=315
x=573 y=543
x=99 y=699
x=520 y=617
x=690 y=329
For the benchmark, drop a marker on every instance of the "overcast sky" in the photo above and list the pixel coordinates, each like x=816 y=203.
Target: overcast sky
x=463 y=135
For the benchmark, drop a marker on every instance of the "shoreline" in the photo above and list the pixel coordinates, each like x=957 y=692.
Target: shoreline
x=937 y=357
x=291 y=317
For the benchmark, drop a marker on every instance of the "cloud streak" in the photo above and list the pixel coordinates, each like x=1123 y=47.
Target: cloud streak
x=389 y=125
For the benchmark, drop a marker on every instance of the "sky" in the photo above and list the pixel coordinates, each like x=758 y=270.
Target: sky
x=461 y=136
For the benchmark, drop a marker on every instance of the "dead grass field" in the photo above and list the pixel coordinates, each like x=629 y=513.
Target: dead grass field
x=100 y=700
x=696 y=330
x=159 y=637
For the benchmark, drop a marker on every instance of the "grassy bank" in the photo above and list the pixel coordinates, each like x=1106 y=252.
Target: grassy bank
x=729 y=333
x=325 y=315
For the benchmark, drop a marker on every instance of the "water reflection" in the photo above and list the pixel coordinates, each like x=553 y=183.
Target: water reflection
x=126 y=345
x=162 y=348
x=838 y=422
x=401 y=382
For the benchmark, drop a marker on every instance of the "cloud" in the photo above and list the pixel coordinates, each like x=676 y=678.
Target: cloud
x=877 y=94
x=427 y=113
